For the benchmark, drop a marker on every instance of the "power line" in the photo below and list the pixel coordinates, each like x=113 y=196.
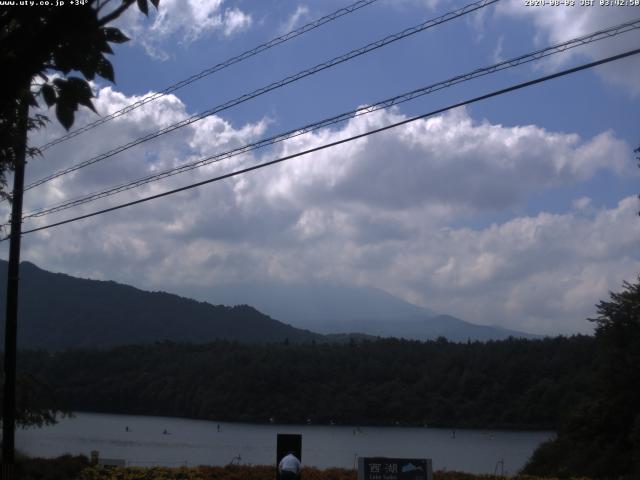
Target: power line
x=339 y=142
x=396 y=100
x=216 y=68
x=273 y=86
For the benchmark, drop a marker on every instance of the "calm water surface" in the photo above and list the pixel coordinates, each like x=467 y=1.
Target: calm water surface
x=198 y=442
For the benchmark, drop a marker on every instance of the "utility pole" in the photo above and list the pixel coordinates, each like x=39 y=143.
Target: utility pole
x=11 y=319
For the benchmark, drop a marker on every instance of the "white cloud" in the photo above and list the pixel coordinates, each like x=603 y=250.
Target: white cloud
x=214 y=134
x=545 y=271
x=383 y=211
x=448 y=160
x=554 y=25
x=430 y=4
x=295 y=20
x=581 y=203
x=477 y=21
x=207 y=137
x=235 y=20
x=182 y=21
x=496 y=56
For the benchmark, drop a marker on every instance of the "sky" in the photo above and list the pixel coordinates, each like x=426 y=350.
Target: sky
x=519 y=211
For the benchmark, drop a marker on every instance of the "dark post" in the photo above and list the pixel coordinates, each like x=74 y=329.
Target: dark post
x=11 y=319
x=287 y=442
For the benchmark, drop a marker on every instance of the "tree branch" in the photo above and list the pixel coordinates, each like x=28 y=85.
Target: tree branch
x=102 y=4
x=116 y=13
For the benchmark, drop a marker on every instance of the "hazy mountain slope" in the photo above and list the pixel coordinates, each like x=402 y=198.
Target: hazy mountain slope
x=346 y=309
x=59 y=311
x=312 y=302
x=421 y=328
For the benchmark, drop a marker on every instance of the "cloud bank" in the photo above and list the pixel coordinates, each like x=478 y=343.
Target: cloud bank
x=393 y=211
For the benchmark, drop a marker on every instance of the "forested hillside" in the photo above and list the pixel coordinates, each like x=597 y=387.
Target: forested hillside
x=502 y=384
x=59 y=311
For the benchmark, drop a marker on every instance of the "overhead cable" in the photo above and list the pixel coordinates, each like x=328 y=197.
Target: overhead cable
x=215 y=68
x=339 y=142
x=472 y=7
x=384 y=104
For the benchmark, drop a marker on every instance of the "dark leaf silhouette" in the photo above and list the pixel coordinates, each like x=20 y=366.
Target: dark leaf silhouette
x=44 y=39
x=144 y=8
x=65 y=113
x=49 y=94
x=80 y=90
x=114 y=35
x=105 y=69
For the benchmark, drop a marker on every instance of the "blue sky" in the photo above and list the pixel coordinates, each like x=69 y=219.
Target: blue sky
x=582 y=104
x=518 y=211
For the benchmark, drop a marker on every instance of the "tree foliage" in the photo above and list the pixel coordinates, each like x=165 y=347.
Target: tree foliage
x=50 y=53
x=601 y=437
x=503 y=384
x=36 y=401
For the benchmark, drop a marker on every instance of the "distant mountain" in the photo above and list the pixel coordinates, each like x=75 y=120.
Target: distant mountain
x=313 y=303
x=58 y=311
x=329 y=309
x=423 y=328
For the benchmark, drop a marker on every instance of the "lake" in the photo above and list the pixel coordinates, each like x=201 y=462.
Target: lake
x=200 y=442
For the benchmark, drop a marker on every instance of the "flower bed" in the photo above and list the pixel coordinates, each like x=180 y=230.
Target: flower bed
x=252 y=473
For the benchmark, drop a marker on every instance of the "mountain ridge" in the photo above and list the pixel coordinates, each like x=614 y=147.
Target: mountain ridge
x=59 y=311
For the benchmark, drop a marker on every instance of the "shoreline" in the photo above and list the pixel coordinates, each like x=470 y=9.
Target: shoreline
x=139 y=440
x=307 y=425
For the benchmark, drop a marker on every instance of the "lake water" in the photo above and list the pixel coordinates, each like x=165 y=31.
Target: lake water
x=199 y=442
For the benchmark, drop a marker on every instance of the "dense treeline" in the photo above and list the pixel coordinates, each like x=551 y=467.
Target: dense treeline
x=502 y=384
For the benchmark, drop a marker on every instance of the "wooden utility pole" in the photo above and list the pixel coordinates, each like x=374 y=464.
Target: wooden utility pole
x=11 y=319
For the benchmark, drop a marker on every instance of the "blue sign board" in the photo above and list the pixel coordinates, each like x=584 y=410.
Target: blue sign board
x=382 y=468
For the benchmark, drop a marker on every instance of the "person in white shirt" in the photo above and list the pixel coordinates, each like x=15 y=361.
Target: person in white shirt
x=289 y=467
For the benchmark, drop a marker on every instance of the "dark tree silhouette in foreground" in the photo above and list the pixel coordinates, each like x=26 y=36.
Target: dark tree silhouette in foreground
x=601 y=439
x=37 y=42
